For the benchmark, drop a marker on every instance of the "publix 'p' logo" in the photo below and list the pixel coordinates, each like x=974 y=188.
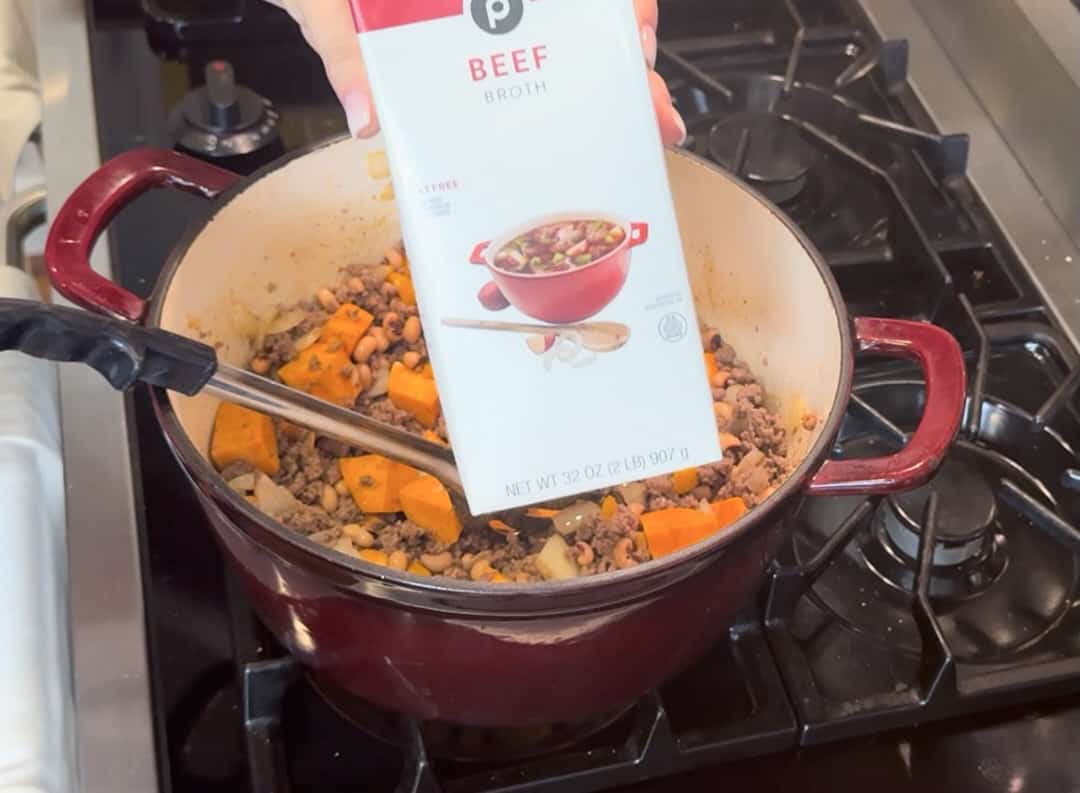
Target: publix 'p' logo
x=497 y=16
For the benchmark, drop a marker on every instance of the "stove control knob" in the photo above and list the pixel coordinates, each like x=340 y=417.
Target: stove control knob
x=222 y=119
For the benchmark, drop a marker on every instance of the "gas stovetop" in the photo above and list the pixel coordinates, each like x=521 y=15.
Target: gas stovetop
x=952 y=604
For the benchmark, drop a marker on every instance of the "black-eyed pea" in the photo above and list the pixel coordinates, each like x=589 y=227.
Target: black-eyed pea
x=411 y=359
x=358 y=535
x=395 y=258
x=621 y=554
x=345 y=546
x=399 y=560
x=382 y=339
x=388 y=290
x=341 y=488
x=260 y=365
x=437 y=562
x=329 y=499
x=482 y=570
x=365 y=376
x=356 y=284
x=584 y=554
x=393 y=324
x=327 y=300
x=365 y=348
x=412 y=330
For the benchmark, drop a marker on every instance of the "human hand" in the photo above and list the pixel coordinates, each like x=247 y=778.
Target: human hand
x=327 y=25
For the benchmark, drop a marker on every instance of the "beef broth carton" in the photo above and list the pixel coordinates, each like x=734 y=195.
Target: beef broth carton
x=535 y=207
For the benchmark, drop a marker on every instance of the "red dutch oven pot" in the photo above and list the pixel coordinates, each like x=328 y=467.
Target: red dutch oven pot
x=508 y=654
x=564 y=297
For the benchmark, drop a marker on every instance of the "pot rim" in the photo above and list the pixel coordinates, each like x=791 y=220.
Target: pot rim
x=543 y=220
x=612 y=588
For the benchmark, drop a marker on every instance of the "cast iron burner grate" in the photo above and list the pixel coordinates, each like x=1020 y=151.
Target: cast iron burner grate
x=729 y=707
x=973 y=608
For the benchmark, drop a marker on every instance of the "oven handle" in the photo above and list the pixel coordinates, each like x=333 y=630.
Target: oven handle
x=95 y=202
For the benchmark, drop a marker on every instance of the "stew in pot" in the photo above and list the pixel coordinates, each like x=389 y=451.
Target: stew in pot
x=359 y=343
x=557 y=247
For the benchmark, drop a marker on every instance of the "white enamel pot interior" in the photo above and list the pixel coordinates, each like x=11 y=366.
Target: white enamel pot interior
x=290 y=232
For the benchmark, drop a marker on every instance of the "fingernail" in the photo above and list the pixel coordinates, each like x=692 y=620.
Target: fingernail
x=649 y=45
x=682 y=127
x=357 y=111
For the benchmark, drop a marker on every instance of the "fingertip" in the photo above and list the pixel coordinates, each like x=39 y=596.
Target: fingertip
x=359 y=114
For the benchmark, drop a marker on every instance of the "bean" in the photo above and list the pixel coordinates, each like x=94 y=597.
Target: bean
x=412 y=330
x=329 y=498
x=482 y=570
x=342 y=488
x=356 y=285
x=393 y=324
x=345 y=546
x=395 y=258
x=359 y=535
x=411 y=359
x=621 y=554
x=637 y=509
x=365 y=349
x=437 y=562
x=363 y=372
x=399 y=560
x=260 y=365
x=382 y=339
x=328 y=301
x=389 y=290
x=585 y=554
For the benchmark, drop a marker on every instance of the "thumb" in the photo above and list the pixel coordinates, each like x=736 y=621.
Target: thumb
x=328 y=28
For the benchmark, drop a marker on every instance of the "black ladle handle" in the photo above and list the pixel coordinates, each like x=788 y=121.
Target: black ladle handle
x=124 y=354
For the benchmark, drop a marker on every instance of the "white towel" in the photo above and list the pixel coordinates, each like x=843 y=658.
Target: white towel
x=20 y=103
x=36 y=709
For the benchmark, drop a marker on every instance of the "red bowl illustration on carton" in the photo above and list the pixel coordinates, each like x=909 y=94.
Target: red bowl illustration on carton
x=561 y=268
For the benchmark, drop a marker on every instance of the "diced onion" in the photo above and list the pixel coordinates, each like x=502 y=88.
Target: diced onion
x=273 y=499
x=574 y=516
x=245 y=483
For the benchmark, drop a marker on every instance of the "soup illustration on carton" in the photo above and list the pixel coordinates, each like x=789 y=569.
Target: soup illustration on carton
x=561 y=269
x=575 y=253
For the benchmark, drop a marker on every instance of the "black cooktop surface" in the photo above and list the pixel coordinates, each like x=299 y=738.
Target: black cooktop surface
x=822 y=683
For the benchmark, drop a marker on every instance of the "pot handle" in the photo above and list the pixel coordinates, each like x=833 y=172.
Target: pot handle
x=942 y=362
x=95 y=202
x=478 y=253
x=639 y=234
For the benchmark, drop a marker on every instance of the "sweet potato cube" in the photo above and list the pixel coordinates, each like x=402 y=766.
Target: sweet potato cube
x=323 y=370
x=428 y=371
x=244 y=435
x=413 y=392
x=348 y=325
x=427 y=504
x=711 y=367
x=418 y=569
x=671 y=530
x=685 y=480
x=375 y=557
x=728 y=510
x=375 y=482
x=429 y=435
x=404 y=285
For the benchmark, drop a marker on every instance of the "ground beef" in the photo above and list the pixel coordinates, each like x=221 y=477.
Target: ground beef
x=309 y=467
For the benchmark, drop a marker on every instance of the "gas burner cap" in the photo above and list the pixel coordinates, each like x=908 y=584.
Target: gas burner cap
x=223 y=119
x=778 y=159
x=966 y=511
